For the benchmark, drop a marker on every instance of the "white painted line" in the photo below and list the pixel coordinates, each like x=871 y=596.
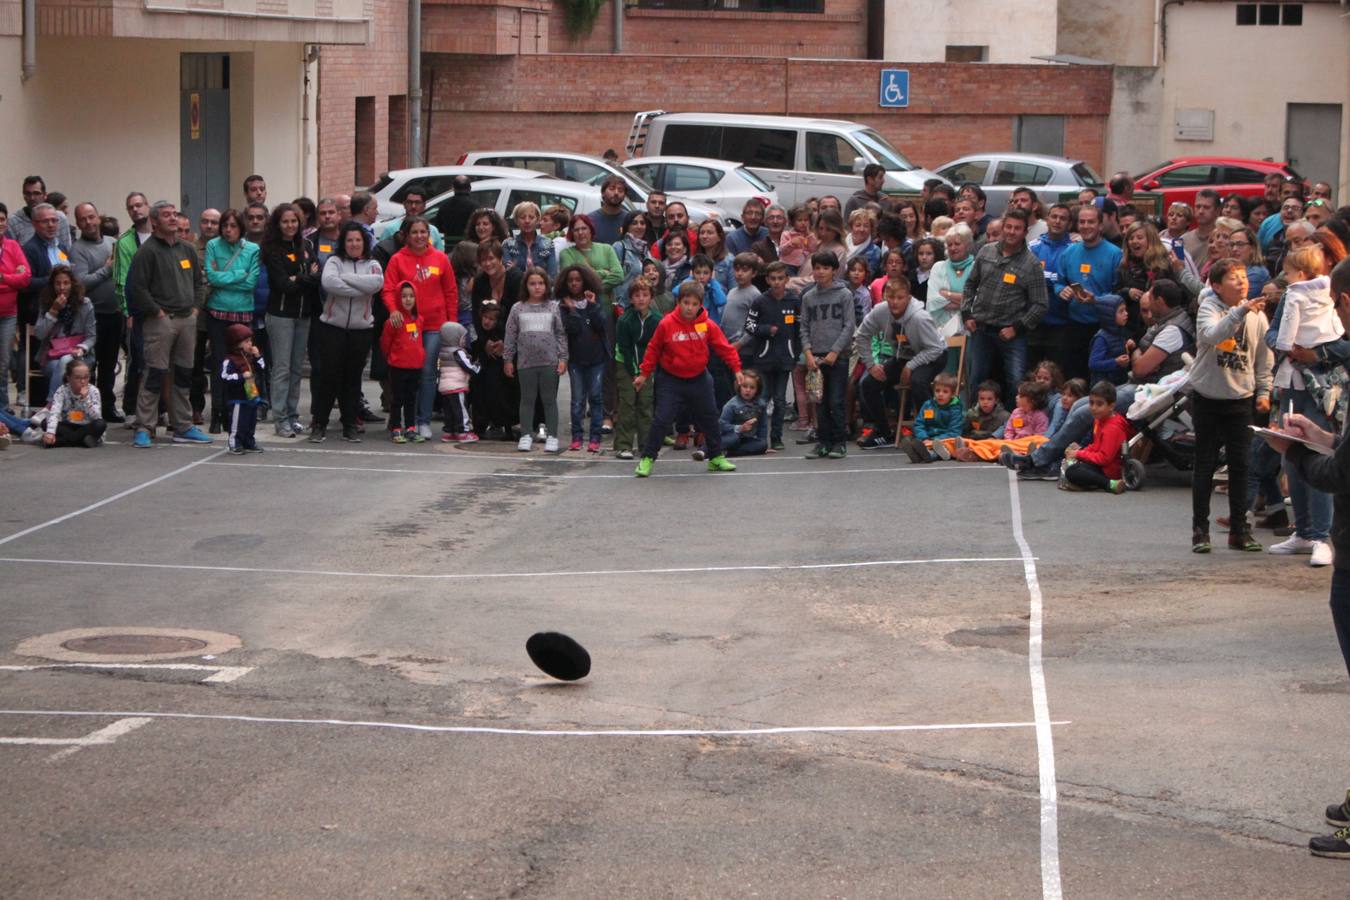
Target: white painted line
x=223 y=674
x=1045 y=746
x=545 y=732
x=105 y=735
x=472 y=576
x=744 y=473
x=104 y=502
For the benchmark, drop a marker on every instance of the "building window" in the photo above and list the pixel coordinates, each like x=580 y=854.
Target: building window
x=365 y=141
x=1270 y=13
x=398 y=131
x=957 y=53
x=765 y=6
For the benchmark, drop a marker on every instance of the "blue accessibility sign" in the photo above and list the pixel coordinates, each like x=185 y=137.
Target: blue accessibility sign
x=894 y=88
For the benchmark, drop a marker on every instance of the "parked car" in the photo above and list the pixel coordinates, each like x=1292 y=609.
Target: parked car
x=727 y=185
x=1182 y=178
x=502 y=194
x=800 y=157
x=583 y=169
x=999 y=174
x=431 y=180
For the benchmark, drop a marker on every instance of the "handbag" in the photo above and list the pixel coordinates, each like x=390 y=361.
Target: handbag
x=64 y=345
x=815 y=385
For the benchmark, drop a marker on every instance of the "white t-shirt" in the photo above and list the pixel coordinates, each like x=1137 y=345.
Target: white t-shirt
x=1169 y=340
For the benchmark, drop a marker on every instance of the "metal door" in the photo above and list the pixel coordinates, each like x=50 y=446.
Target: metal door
x=204 y=132
x=1313 y=140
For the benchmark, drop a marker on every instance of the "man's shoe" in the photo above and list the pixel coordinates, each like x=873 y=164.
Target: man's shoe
x=1200 y=541
x=113 y=418
x=682 y=441
x=141 y=441
x=1012 y=460
x=397 y=437
x=236 y=451
x=644 y=467
x=1322 y=554
x=216 y=427
x=253 y=448
x=318 y=433
x=1038 y=473
x=819 y=451
x=283 y=430
x=876 y=441
x=838 y=451
x=625 y=454
x=1294 y=544
x=1339 y=815
x=1332 y=846
x=593 y=447
x=193 y=435
x=1244 y=542
x=720 y=463
x=369 y=415
x=1277 y=519
x=350 y=435
x=809 y=438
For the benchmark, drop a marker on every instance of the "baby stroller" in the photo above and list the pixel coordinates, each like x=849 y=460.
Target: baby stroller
x=1161 y=419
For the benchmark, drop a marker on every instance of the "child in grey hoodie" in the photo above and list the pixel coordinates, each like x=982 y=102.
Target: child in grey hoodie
x=827 y=323
x=455 y=368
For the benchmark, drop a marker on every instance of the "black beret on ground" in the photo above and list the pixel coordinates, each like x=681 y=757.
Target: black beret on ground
x=558 y=655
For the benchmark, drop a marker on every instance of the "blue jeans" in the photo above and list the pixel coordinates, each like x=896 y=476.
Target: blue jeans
x=289 y=338
x=983 y=346
x=1263 y=475
x=1077 y=428
x=15 y=425
x=8 y=326
x=775 y=388
x=587 y=386
x=831 y=429
x=427 y=387
x=1312 y=508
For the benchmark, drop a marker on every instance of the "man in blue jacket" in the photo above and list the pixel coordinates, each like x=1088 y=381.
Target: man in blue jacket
x=1086 y=270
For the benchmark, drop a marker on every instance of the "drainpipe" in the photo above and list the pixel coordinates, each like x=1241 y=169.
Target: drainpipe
x=29 y=39
x=414 y=83
x=311 y=55
x=618 y=26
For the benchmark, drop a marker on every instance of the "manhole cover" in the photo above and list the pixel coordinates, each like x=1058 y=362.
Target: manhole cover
x=135 y=644
x=127 y=643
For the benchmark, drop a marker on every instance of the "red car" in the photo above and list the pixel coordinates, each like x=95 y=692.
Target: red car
x=1181 y=178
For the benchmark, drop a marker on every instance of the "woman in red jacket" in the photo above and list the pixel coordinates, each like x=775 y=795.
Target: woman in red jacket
x=14 y=277
x=1098 y=465
x=432 y=277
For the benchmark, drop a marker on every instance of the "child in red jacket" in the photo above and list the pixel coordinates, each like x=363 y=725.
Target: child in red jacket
x=678 y=355
x=1098 y=465
x=402 y=347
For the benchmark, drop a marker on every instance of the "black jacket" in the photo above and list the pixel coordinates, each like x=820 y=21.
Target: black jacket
x=1332 y=475
x=293 y=288
x=775 y=352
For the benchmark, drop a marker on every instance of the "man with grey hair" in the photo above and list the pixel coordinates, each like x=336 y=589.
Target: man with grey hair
x=21 y=224
x=766 y=248
x=166 y=289
x=740 y=240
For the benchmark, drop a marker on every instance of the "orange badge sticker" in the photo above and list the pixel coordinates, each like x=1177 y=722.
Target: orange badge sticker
x=1085 y=268
x=928 y=414
x=1228 y=346
x=1009 y=278
x=789 y=319
x=1017 y=423
x=434 y=270
x=701 y=327
x=411 y=328
x=76 y=416
x=62 y=254
x=325 y=248
x=291 y=257
x=184 y=264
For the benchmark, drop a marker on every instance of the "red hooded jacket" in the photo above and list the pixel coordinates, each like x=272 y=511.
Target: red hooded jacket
x=14 y=276
x=433 y=279
x=681 y=347
x=1107 y=439
x=402 y=344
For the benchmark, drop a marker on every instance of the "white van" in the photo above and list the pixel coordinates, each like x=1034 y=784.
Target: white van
x=801 y=157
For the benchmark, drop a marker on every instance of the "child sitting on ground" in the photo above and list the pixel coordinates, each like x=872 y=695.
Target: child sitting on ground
x=1098 y=465
x=1059 y=404
x=75 y=414
x=402 y=348
x=1109 y=359
x=984 y=420
x=1051 y=376
x=744 y=420
x=239 y=373
x=455 y=368
x=1024 y=431
x=941 y=417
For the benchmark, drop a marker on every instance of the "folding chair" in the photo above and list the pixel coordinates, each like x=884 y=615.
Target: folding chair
x=959 y=343
x=34 y=377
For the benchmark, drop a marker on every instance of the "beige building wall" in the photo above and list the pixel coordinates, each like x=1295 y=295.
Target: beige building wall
x=1112 y=31
x=101 y=118
x=1015 y=31
x=1304 y=64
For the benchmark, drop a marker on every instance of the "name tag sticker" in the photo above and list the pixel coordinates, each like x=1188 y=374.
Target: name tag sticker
x=901 y=339
x=1009 y=278
x=184 y=264
x=1228 y=346
x=76 y=415
x=411 y=328
x=325 y=248
x=928 y=414
x=62 y=254
x=789 y=319
x=434 y=270
x=1085 y=268
x=701 y=327
x=1018 y=423
x=291 y=257
x=975 y=424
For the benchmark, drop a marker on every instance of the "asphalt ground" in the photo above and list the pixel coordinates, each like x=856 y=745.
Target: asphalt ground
x=1193 y=726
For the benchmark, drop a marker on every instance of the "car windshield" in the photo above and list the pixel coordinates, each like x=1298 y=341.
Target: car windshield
x=886 y=154
x=383 y=182
x=1162 y=165
x=1086 y=176
x=637 y=187
x=759 y=183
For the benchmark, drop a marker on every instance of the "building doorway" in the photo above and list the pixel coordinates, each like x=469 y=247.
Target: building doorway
x=204 y=132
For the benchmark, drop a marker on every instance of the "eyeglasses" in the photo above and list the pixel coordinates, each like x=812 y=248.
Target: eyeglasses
x=1317 y=202
x=1242 y=243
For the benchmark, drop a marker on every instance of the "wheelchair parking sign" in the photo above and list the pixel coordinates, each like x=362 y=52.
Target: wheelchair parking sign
x=894 y=88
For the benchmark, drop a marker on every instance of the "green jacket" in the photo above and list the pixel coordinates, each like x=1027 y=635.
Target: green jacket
x=600 y=259
x=231 y=273
x=632 y=334
x=123 y=251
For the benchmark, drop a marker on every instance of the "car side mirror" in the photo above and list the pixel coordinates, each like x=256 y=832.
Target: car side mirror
x=858 y=165
x=1153 y=185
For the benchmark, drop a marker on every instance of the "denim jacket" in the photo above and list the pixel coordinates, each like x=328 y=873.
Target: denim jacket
x=513 y=254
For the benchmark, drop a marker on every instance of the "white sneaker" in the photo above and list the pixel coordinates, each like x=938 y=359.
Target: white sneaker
x=526 y=442
x=1294 y=544
x=551 y=445
x=940 y=448
x=543 y=434
x=1322 y=554
x=424 y=431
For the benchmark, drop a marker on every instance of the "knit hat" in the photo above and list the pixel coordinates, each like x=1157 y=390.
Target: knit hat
x=235 y=335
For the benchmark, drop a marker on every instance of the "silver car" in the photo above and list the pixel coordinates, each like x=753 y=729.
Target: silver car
x=999 y=174
x=727 y=185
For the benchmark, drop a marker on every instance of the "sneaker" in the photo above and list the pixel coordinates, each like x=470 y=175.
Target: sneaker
x=943 y=452
x=283 y=430
x=1294 y=544
x=864 y=435
x=318 y=434
x=776 y=446
x=607 y=427
x=593 y=447
x=838 y=451
x=296 y=428
x=625 y=454
x=809 y=438
x=253 y=448
x=424 y=432
x=1243 y=541
x=1065 y=484
x=575 y=445
x=236 y=451
x=417 y=437
x=142 y=441
x=1333 y=846
x=820 y=451
x=448 y=438
x=698 y=455
x=350 y=436
x=915 y=450
x=1118 y=486
x=668 y=441
x=875 y=441
x=525 y=443
x=1012 y=460
x=468 y=437
x=542 y=435
x=397 y=437
x=410 y=433
x=644 y=467
x=1339 y=815
x=193 y=435
x=682 y=442
x=1277 y=519
x=1200 y=541
x=1322 y=554
x=551 y=445
x=369 y=415
x=719 y=463
x=1037 y=473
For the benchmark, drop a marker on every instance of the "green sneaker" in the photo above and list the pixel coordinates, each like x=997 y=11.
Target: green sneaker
x=776 y=445
x=820 y=451
x=668 y=441
x=719 y=463
x=644 y=467
x=838 y=451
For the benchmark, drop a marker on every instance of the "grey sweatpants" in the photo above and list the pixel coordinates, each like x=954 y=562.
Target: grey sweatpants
x=541 y=381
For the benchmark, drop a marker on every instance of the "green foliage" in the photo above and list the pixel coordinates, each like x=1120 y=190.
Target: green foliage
x=579 y=16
